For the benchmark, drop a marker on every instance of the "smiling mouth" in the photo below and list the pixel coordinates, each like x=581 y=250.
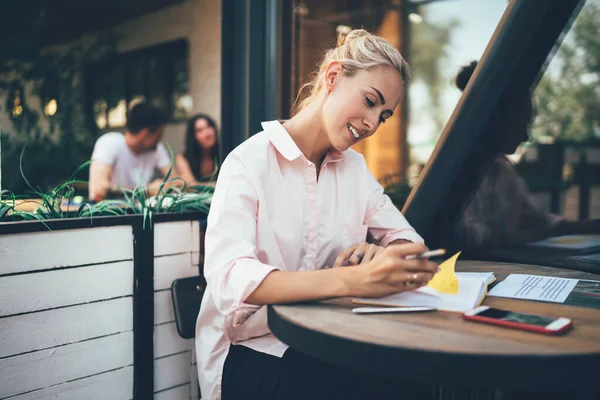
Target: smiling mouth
x=354 y=132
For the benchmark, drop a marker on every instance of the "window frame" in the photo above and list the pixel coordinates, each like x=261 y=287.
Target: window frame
x=166 y=54
x=514 y=59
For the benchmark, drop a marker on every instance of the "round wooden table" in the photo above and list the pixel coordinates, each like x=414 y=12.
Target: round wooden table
x=440 y=348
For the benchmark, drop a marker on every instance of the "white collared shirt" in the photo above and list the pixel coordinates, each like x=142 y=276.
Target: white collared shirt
x=269 y=212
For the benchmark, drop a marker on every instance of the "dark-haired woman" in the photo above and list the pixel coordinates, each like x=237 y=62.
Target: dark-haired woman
x=198 y=163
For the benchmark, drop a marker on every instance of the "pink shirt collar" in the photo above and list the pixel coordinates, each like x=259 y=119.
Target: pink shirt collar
x=285 y=145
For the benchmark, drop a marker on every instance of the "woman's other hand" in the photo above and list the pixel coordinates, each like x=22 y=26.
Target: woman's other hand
x=358 y=253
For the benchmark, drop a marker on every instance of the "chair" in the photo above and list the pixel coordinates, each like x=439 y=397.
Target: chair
x=187 y=296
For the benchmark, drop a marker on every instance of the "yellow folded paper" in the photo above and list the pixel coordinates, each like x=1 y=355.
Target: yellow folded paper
x=446 y=281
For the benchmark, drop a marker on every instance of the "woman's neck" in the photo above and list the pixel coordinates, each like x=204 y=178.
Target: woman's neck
x=206 y=168
x=206 y=153
x=307 y=131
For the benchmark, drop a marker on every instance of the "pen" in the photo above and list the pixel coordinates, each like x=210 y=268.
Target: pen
x=374 y=310
x=427 y=254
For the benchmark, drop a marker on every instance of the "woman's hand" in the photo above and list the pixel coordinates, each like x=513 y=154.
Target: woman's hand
x=359 y=253
x=389 y=272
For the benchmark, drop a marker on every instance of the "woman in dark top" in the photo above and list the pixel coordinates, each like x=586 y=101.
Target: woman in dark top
x=198 y=163
x=502 y=212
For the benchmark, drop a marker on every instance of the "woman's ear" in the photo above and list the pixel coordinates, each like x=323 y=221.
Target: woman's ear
x=333 y=71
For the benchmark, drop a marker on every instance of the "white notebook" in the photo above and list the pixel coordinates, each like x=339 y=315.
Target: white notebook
x=472 y=288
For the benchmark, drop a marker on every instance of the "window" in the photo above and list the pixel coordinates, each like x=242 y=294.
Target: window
x=437 y=37
x=156 y=74
x=561 y=162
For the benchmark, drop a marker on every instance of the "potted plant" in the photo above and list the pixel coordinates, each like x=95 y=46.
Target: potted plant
x=397 y=189
x=95 y=278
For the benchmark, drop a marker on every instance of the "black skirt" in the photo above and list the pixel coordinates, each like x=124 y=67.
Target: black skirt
x=249 y=374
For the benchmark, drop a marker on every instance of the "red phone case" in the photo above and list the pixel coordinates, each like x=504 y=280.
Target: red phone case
x=516 y=325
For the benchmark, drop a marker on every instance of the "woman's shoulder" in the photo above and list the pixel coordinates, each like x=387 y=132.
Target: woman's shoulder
x=252 y=147
x=505 y=167
x=252 y=152
x=503 y=177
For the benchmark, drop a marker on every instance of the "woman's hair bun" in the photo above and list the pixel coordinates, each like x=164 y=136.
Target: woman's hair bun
x=463 y=76
x=345 y=38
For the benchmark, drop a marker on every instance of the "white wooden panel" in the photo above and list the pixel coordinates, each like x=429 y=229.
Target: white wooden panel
x=171 y=371
x=172 y=237
x=51 y=289
x=194 y=355
x=163 y=307
x=167 y=341
x=195 y=257
x=195 y=236
x=176 y=393
x=194 y=382
x=113 y=385
x=45 y=368
x=22 y=252
x=169 y=268
x=42 y=330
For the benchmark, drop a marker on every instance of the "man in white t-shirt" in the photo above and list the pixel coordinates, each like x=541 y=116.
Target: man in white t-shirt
x=126 y=160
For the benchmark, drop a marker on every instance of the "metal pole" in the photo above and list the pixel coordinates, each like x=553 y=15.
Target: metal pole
x=0 y=159
x=405 y=39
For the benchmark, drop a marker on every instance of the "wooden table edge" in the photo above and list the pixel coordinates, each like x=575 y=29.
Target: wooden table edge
x=436 y=367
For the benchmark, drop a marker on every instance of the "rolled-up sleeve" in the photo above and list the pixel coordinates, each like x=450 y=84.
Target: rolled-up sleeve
x=231 y=266
x=386 y=223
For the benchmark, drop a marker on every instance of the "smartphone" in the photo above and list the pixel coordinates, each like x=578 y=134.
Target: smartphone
x=511 y=319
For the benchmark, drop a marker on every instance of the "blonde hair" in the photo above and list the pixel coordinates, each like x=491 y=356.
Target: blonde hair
x=357 y=51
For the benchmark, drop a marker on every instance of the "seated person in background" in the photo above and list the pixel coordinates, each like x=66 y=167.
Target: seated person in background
x=502 y=212
x=199 y=160
x=126 y=160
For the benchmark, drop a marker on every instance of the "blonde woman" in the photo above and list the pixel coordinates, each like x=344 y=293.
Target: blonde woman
x=292 y=204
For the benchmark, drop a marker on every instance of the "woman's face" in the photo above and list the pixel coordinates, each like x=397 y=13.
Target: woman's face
x=204 y=133
x=357 y=105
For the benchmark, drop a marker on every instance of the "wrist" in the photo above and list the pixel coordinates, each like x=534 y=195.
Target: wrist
x=351 y=280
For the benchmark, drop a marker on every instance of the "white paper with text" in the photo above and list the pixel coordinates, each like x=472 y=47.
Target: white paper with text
x=534 y=287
